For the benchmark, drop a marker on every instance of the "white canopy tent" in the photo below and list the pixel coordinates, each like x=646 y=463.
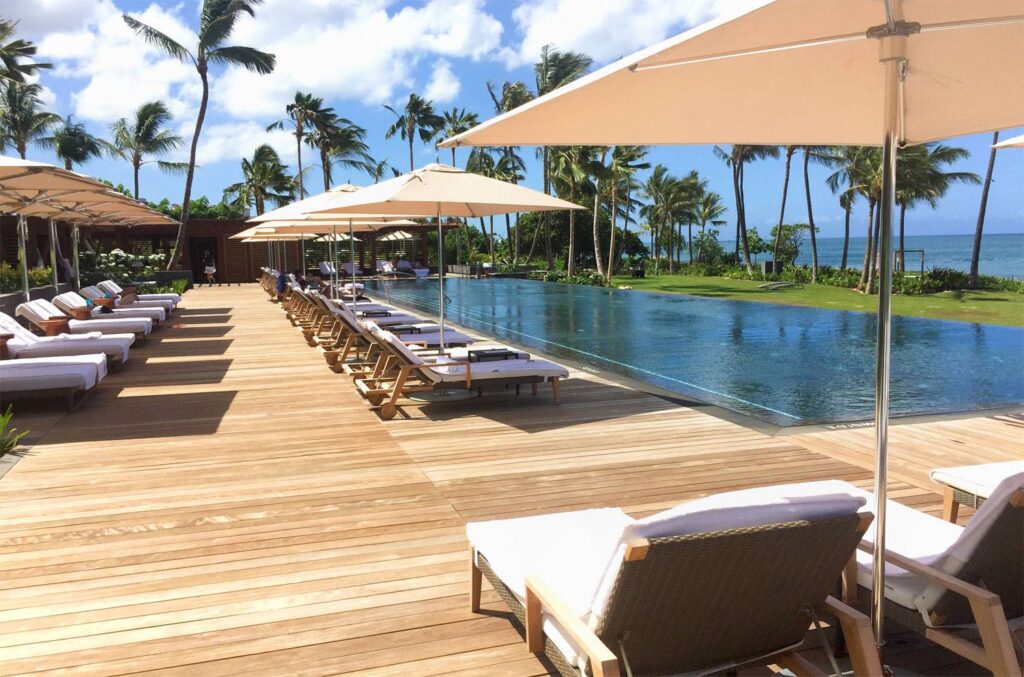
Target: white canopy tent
x=883 y=73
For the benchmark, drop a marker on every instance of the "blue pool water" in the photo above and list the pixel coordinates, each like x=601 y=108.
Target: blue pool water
x=786 y=365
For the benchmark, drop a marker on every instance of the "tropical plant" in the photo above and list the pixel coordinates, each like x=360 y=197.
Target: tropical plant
x=379 y=170
x=661 y=189
x=625 y=162
x=572 y=167
x=481 y=161
x=340 y=141
x=73 y=144
x=15 y=54
x=217 y=20
x=789 y=151
x=144 y=135
x=555 y=69
x=416 y=118
x=265 y=177
x=457 y=121
x=982 y=208
x=511 y=166
x=847 y=162
x=737 y=158
x=818 y=154
x=306 y=111
x=9 y=435
x=709 y=208
x=22 y=118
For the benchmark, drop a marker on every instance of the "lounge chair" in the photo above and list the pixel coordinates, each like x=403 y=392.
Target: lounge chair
x=81 y=308
x=71 y=377
x=351 y=269
x=713 y=584
x=941 y=577
x=416 y=374
x=971 y=485
x=20 y=343
x=102 y=298
x=117 y=290
x=421 y=273
x=327 y=269
x=52 y=321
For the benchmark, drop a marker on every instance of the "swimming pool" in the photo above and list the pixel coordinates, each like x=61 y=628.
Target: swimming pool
x=786 y=365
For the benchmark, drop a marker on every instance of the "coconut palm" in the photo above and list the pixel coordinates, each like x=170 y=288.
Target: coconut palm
x=629 y=187
x=846 y=160
x=145 y=135
x=73 y=143
x=15 y=54
x=512 y=95
x=22 y=118
x=417 y=118
x=481 y=161
x=572 y=167
x=555 y=69
x=378 y=170
x=305 y=112
x=264 y=178
x=661 y=188
x=983 y=207
x=456 y=121
x=789 y=151
x=339 y=141
x=625 y=161
x=737 y=158
x=600 y=173
x=818 y=154
x=709 y=208
x=217 y=19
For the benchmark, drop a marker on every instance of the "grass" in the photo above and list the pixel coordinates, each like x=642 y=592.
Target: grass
x=991 y=307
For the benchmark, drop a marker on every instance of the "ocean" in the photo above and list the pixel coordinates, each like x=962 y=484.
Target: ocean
x=1001 y=254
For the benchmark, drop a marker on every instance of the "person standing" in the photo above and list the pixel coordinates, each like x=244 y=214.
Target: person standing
x=210 y=268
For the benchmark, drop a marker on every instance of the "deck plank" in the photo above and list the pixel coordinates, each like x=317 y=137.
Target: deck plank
x=225 y=504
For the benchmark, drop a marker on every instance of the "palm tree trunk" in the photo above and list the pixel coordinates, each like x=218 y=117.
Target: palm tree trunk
x=544 y=215
x=570 y=263
x=298 y=155
x=453 y=156
x=67 y=164
x=179 y=241
x=810 y=218
x=611 y=237
x=515 y=256
x=846 y=237
x=508 y=234
x=493 y=260
x=903 y=219
x=862 y=283
x=135 y=172
x=976 y=252
x=700 y=248
x=743 y=228
x=598 y=262
x=22 y=149
x=782 y=210
x=625 y=223
x=411 y=165
x=324 y=164
x=873 y=263
x=689 y=244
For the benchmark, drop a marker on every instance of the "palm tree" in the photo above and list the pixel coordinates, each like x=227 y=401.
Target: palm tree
x=379 y=170
x=629 y=187
x=22 y=119
x=661 y=189
x=217 y=20
x=481 y=161
x=13 y=55
x=709 y=208
x=847 y=162
x=737 y=158
x=417 y=118
x=146 y=135
x=976 y=250
x=265 y=177
x=513 y=95
x=625 y=161
x=790 y=150
x=555 y=69
x=510 y=167
x=73 y=144
x=339 y=141
x=306 y=111
x=456 y=121
x=572 y=167
x=819 y=154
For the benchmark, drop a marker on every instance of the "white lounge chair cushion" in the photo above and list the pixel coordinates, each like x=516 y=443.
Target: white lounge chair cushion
x=96 y=293
x=326 y=268
x=569 y=550
x=43 y=373
x=114 y=288
x=359 y=286
x=980 y=480
x=41 y=309
x=499 y=369
x=26 y=344
x=69 y=300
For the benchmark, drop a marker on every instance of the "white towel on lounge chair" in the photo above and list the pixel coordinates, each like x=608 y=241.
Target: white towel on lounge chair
x=115 y=289
x=48 y=373
x=40 y=310
x=69 y=300
x=26 y=344
x=980 y=480
x=93 y=293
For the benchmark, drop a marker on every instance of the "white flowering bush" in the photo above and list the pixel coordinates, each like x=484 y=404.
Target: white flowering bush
x=120 y=266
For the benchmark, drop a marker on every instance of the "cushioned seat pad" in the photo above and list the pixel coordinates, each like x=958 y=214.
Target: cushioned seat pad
x=980 y=480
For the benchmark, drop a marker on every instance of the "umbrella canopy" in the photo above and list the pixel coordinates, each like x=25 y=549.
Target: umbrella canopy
x=802 y=72
x=306 y=210
x=814 y=64
x=439 y=189
x=337 y=237
x=1012 y=142
x=397 y=236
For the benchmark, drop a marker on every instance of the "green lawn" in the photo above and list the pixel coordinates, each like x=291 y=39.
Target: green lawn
x=965 y=306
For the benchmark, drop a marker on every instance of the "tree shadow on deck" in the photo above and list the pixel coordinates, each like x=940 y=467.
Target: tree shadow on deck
x=168 y=347
x=184 y=312
x=197 y=331
x=581 y=401
x=174 y=373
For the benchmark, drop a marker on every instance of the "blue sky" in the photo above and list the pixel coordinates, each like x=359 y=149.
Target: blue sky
x=360 y=54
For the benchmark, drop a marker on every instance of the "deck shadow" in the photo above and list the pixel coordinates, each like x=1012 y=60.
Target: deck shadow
x=175 y=373
x=198 y=331
x=107 y=416
x=201 y=319
x=183 y=312
x=171 y=348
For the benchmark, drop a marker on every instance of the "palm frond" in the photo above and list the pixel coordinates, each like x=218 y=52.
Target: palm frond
x=249 y=58
x=158 y=38
x=173 y=167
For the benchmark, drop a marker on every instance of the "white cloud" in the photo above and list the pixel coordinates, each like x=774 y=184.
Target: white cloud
x=443 y=85
x=350 y=49
x=604 y=29
x=232 y=141
x=120 y=70
x=48 y=97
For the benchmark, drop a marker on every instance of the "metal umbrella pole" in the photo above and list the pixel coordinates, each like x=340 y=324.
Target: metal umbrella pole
x=74 y=254
x=352 y=257
x=23 y=254
x=53 y=256
x=892 y=56
x=332 y=247
x=440 y=278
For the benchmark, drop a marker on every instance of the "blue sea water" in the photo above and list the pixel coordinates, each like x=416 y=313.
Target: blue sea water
x=783 y=364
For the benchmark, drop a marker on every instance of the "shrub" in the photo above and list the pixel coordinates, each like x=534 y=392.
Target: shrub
x=10 y=277
x=119 y=266
x=9 y=436
x=586 y=277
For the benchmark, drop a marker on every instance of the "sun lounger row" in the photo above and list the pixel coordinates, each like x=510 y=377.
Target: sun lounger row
x=736 y=579
x=79 y=336
x=392 y=354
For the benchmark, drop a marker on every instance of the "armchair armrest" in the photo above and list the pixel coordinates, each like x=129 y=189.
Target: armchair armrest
x=859 y=639
x=80 y=313
x=539 y=598
x=934 y=576
x=467 y=365
x=53 y=327
x=5 y=353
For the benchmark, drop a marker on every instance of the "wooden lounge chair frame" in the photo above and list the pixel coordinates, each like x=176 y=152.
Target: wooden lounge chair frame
x=677 y=599
x=974 y=603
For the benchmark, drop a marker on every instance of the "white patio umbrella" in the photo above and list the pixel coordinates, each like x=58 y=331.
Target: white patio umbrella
x=437 y=190
x=1012 y=142
x=796 y=72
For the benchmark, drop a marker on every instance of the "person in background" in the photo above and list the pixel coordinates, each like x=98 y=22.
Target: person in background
x=282 y=285
x=297 y=274
x=209 y=268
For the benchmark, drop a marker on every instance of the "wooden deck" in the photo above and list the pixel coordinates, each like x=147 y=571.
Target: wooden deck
x=225 y=504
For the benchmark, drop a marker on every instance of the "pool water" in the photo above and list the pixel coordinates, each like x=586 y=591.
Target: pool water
x=786 y=365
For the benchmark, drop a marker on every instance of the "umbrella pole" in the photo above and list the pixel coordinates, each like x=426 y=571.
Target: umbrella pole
x=53 y=256
x=440 y=278
x=352 y=256
x=892 y=49
x=74 y=254
x=23 y=254
x=334 y=261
